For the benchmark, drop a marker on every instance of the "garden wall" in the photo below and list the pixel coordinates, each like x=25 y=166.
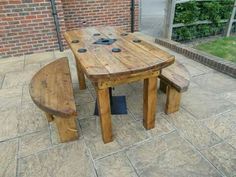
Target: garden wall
x=27 y=26
x=79 y=13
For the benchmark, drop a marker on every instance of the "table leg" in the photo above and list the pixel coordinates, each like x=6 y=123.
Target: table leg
x=105 y=114
x=149 y=102
x=81 y=77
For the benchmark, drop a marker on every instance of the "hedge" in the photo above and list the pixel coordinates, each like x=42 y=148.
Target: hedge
x=190 y=12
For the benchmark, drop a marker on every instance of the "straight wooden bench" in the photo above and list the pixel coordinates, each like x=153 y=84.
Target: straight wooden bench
x=51 y=90
x=174 y=80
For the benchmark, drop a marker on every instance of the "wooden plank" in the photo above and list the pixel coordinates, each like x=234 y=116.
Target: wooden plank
x=177 y=25
x=105 y=114
x=80 y=74
x=51 y=89
x=90 y=65
x=177 y=76
x=231 y=21
x=163 y=86
x=146 y=46
x=170 y=15
x=125 y=80
x=132 y=62
x=100 y=63
x=184 y=1
x=102 y=55
x=67 y=129
x=172 y=100
x=50 y=117
x=149 y=102
x=147 y=57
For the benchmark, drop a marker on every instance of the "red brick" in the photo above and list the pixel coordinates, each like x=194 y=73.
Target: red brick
x=30 y=22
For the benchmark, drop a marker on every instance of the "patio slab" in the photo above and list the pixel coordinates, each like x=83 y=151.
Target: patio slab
x=198 y=141
x=11 y=64
x=192 y=130
x=71 y=159
x=204 y=104
x=216 y=82
x=115 y=165
x=223 y=157
x=33 y=143
x=229 y=96
x=223 y=125
x=126 y=131
x=30 y=119
x=9 y=120
x=1 y=80
x=168 y=156
x=18 y=78
x=8 y=158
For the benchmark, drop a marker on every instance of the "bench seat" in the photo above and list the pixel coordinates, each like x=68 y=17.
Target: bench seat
x=174 y=80
x=51 y=90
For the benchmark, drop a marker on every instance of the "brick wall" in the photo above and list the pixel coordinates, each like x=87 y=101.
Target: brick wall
x=79 y=13
x=27 y=26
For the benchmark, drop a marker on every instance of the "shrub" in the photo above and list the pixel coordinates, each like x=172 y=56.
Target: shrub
x=190 y=12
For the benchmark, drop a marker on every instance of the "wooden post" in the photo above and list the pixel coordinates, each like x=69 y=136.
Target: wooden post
x=169 y=20
x=49 y=117
x=172 y=100
x=81 y=77
x=163 y=86
x=149 y=102
x=67 y=128
x=231 y=21
x=103 y=100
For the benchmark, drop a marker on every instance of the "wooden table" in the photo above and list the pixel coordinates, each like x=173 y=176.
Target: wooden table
x=136 y=61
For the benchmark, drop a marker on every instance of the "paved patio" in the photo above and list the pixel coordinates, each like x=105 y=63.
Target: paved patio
x=198 y=141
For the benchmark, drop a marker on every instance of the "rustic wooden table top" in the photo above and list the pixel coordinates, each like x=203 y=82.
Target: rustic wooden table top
x=99 y=62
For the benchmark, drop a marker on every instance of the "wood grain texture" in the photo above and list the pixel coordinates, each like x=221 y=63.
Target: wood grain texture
x=105 y=114
x=163 y=86
x=99 y=62
x=136 y=61
x=177 y=76
x=172 y=100
x=149 y=102
x=126 y=79
x=81 y=77
x=67 y=128
x=51 y=89
x=49 y=117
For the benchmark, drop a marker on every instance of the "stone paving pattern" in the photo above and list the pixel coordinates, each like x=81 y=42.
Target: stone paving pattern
x=197 y=141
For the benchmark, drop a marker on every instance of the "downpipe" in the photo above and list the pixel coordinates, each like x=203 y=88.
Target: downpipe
x=57 y=25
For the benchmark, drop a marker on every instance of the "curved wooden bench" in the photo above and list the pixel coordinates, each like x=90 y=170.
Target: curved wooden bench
x=174 y=80
x=51 y=90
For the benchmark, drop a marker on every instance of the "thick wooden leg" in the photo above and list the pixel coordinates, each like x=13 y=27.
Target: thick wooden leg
x=105 y=114
x=163 y=86
x=49 y=117
x=81 y=77
x=173 y=100
x=67 y=129
x=149 y=102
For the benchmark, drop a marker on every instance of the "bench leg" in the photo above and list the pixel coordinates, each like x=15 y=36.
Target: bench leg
x=103 y=100
x=149 y=102
x=67 y=129
x=173 y=100
x=163 y=86
x=81 y=77
x=49 y=117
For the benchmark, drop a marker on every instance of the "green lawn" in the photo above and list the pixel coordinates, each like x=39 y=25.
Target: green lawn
x=223 y=48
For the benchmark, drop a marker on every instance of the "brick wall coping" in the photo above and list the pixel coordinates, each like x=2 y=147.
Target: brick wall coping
x=217 y=63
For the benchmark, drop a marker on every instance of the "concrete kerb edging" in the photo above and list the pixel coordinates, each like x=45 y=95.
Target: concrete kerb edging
x=211 y=61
